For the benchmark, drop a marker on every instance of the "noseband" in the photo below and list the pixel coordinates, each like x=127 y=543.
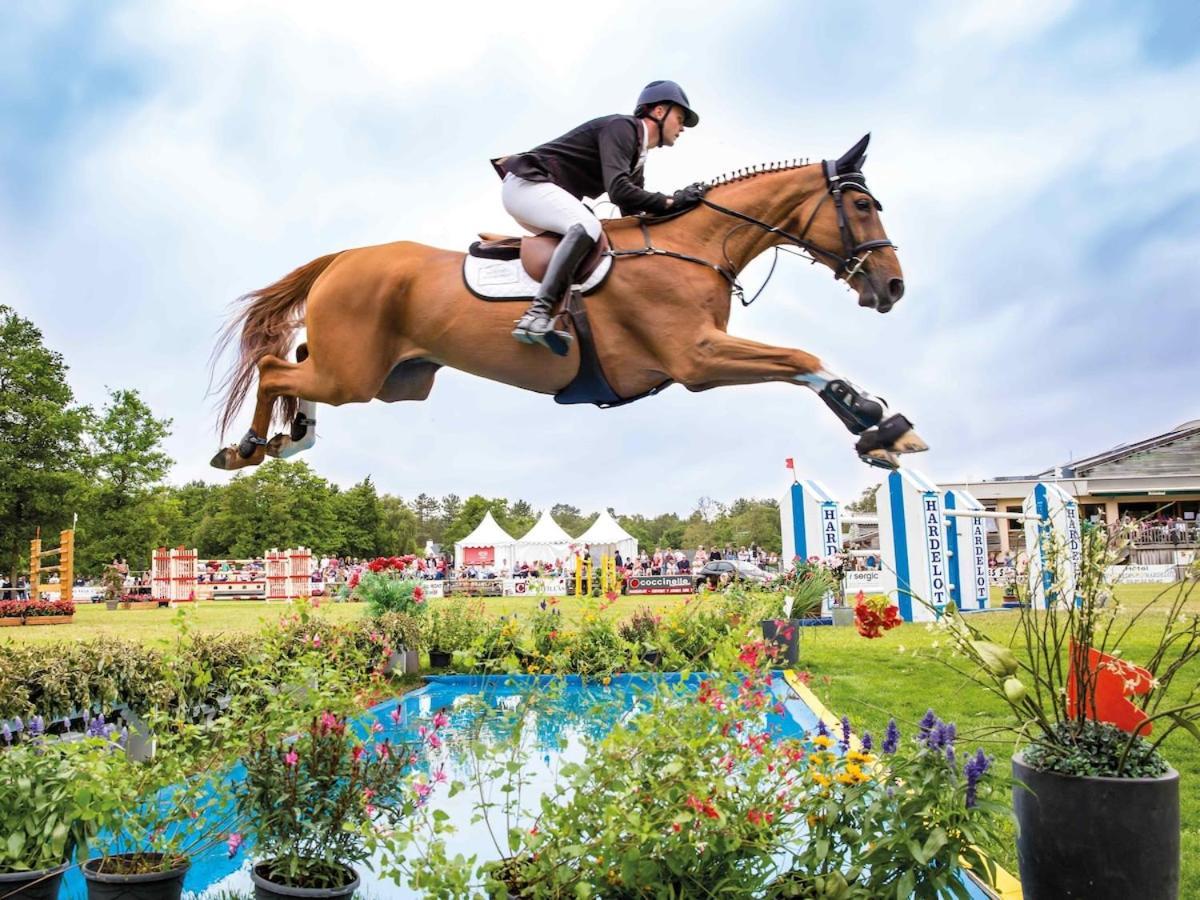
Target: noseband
x=854 y=255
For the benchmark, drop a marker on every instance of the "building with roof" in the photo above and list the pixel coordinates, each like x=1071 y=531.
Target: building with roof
x=1154 y=482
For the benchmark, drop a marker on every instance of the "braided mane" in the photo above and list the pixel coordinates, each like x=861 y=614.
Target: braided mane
x=741 y=174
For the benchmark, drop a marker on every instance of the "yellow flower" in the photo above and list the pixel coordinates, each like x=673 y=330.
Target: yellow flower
x=606 y=680
x=823 y=741
x=857 y=756
x=854 y=774
x=820 y=778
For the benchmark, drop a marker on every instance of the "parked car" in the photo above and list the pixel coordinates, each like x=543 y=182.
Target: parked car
x=732 y=570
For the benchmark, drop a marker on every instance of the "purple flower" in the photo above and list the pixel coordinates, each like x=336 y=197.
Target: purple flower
x=975 y=768
x=844 y=743
x=6 y=733
x=821 y=728
x=37 y=725
x=18 y=725
x=868 y=744
x=926 y=724
x=891 y=738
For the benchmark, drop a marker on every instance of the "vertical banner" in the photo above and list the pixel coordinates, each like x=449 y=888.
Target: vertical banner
x=912 y=535
x=1054 y=537
x=966 y=543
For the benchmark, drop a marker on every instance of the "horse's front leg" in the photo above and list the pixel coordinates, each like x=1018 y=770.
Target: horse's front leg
x=718 y=359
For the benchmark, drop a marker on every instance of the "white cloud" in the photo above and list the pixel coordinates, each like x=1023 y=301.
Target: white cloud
x=266 y=134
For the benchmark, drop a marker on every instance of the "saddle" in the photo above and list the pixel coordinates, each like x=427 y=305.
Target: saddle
x=535 y=252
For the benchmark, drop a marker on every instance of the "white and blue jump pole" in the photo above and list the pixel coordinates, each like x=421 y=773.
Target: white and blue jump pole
x=1052 y=534
x=966 y=544
x=811 y=521
x=912 y=540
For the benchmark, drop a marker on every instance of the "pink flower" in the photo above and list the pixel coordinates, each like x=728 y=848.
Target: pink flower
x=422 y=789
x=377 y=727
x=233 y=842
x=357 y=753
x=328 y=720
x=382 y=751
x=291 y=759
x=396 y=715
x=441 y=720
x=316 y=640
x=369 y=809
x=435 y=742
x=440 y=777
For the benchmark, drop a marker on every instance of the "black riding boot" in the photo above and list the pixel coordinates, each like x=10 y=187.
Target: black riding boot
x=537 y=325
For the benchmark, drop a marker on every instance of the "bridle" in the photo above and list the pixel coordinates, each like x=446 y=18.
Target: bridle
x=854 y=255
x=846 y=265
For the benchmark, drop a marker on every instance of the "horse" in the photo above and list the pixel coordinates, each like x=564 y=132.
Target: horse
x=382 y=320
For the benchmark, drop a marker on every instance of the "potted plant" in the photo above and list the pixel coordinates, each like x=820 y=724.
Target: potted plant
x=385 y=588
x=112 y=584
x=306 y=801
x=47 y=810
x=641 y=630
x=159 y=812
x=1091 y=777
x=800 y=594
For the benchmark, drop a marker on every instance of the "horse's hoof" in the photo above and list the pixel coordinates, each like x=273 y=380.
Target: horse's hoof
x=275 y=445
x=881 y=459
x=221 y=459
x=909 y=442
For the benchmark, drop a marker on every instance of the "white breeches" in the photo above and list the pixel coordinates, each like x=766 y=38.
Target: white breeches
x=541 y=206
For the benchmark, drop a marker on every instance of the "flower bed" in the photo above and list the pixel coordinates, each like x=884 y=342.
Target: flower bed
x=36 y=612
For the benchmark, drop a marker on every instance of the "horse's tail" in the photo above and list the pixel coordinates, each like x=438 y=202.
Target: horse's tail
x=264 y=326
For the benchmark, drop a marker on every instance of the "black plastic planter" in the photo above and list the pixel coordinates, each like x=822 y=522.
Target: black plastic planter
x=165 y=885
x=265 y=889
x=1096 y=838
x=652 y=658
x=788 y=640
x=440 y=659
x=40 y=884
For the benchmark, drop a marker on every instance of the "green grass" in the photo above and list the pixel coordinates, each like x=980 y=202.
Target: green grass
x=869 y=680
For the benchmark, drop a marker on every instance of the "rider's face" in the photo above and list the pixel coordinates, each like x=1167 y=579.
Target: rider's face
x=672 y=126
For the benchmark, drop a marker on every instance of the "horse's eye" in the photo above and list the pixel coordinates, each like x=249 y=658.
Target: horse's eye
x=864 y=205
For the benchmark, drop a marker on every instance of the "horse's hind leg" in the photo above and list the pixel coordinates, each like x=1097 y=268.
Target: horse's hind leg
x=253 y=447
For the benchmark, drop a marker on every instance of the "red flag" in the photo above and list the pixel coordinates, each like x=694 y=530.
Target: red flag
x=790 y=463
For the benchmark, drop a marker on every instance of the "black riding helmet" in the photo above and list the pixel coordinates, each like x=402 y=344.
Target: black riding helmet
x=670 y=93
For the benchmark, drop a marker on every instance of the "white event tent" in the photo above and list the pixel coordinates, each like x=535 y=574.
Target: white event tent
x=488 y=544
x=545 y=542
x=606 y=536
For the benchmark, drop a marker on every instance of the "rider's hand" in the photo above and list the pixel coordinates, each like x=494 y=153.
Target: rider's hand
x=686 y=198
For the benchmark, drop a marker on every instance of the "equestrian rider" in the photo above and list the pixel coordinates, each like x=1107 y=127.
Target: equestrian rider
x=543 y=191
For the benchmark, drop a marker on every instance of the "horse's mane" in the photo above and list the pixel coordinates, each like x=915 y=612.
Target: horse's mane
x=741 y=174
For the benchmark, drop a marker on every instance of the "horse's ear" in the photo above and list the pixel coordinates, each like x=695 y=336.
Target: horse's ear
x=852 y=160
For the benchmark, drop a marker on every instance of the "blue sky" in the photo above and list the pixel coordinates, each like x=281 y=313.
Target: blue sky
x=1039 y=163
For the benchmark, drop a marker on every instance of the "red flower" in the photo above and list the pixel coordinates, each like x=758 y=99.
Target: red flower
x=419 y=594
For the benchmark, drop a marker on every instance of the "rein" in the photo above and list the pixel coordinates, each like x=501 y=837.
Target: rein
x=846 y=265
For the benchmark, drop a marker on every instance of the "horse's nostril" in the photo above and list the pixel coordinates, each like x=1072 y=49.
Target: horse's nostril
x=895 y=288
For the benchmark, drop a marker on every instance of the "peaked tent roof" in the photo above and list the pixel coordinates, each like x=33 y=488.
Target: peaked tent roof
x=605 y=530
x=487 y=533
x=546 y=531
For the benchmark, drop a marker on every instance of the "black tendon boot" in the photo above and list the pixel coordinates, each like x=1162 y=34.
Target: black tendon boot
x=537 y=325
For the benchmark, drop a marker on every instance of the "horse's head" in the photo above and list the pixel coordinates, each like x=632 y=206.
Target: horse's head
x=845 y=229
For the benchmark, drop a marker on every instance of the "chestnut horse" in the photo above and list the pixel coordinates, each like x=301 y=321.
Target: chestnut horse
x=382 y=320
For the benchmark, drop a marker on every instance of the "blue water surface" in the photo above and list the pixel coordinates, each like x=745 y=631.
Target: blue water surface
x=556 y=715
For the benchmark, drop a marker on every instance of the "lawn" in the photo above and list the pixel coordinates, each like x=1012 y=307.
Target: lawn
x=869 y=680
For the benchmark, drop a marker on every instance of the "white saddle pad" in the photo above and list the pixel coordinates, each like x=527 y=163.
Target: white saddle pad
x=507 y=278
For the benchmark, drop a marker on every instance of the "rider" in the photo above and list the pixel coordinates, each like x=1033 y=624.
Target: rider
x=543 y=190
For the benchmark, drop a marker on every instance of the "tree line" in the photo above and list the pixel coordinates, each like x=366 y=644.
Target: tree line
x=60 y=458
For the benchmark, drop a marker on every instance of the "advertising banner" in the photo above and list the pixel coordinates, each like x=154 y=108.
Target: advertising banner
x=659 y=584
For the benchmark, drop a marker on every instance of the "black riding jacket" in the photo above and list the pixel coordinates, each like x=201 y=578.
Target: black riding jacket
x=600 y=156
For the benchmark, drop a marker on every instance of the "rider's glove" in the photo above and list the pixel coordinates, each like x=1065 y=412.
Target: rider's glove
x=686 y=198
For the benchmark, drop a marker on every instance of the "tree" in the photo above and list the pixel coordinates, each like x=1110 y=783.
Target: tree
x=126 y=512
x=359 y=518
x=470 y=514
x=425 y=509
x=518 y=518
x=865 y=502
x=572 y=521
x=41 y=430
x=397 y=527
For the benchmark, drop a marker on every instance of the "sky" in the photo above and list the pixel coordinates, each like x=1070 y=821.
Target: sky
x=1039 y=165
